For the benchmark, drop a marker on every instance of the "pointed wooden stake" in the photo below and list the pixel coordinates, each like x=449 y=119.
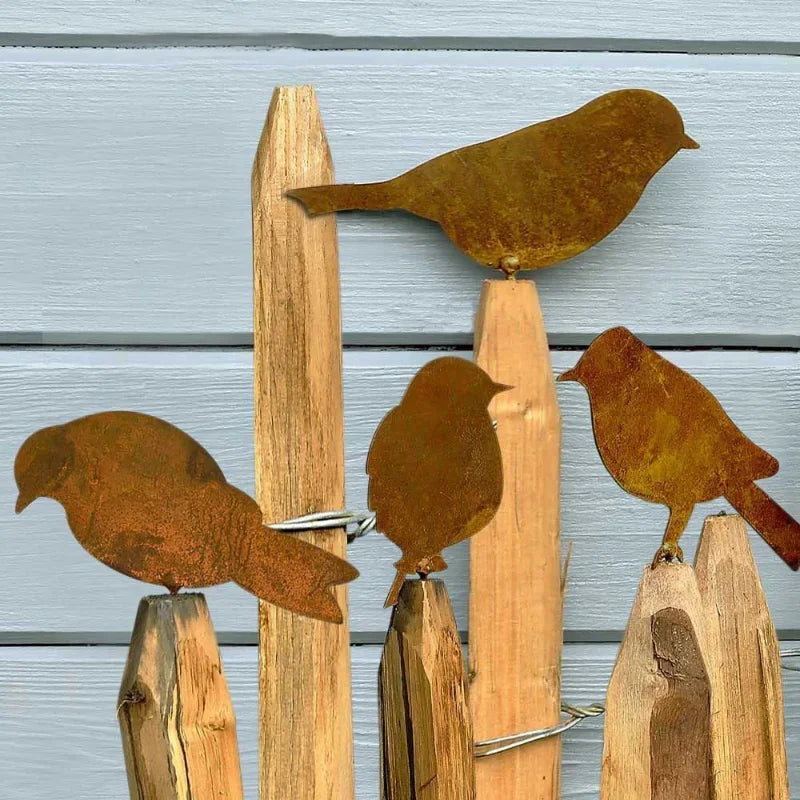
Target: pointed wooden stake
x=515 y=633
x=662 y=706
x=304 y=665
x=751 y=673
x=426 y=731
x=175 y=713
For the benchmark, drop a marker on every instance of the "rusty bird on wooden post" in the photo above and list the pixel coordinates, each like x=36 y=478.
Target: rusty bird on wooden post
x=434 y=465
x=146 y=499
x=665 y=438
x=539 y=195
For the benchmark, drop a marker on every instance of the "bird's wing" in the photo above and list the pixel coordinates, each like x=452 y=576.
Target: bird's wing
x=151 y=445
x=202 y=467
x=426 y=477
x=722 y=440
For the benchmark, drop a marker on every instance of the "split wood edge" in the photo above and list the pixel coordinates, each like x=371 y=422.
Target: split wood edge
x=751 y=671
x=694 y=706
x=515 y=612
x=305 y=718
x=175 y=713
x=425 y=726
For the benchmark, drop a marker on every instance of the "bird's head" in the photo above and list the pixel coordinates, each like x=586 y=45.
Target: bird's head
x=647 y=123
x=42 y=464
x=612 y=355
x=453 y=380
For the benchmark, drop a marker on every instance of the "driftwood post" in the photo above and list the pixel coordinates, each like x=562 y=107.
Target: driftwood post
x=515 y=630
x=304 y=665
x=751 y=670
x=175 y=713
x=425 y=726
x=664 y=738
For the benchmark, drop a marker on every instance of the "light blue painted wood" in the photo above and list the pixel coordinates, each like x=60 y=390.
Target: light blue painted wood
x=209 y=393
x=59 y=735
x=125 y=202
x=366 y=20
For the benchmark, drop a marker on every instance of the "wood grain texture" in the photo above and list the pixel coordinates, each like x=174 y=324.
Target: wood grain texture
x=680 y=722
x=662 y=690
x=209 y=394
x=716 y=20
x=156 y=147
x=751 y=679
x=60 y=701
x=175 y=714
x=306 y=709
x=515 y=599
x=425 y=727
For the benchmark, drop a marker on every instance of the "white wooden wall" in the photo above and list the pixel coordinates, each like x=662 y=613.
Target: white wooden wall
x=127 y=131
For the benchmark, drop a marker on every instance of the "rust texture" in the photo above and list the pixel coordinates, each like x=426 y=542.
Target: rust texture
x=537 y=196
x=147 y=500
x=436 y=475
x=665 y=438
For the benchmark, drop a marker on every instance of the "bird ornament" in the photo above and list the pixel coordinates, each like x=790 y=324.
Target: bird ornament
x=147 y=500
x=666 y=439
x=539 y=195
x=434 y=465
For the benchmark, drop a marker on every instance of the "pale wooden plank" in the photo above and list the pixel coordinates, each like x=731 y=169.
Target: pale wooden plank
x=715 y=20
x=174 y=708
x=209 y=393
x=425 y=727
x=752 y=725
x=59 y=736
x=515 y=598
x=306 y=726
x=124 y=208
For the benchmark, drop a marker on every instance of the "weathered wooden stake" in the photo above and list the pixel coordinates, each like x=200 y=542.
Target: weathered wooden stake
x=304 y=665
x=751 y=671
x=663 y=707
x=515 y=631
x=175 y=713
x=425 y=727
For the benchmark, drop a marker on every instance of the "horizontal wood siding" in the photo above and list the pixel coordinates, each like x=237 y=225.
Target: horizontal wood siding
x=364 y=21
x=127 y=135
x=125 y=209
x=209 y=394
x=59 y=734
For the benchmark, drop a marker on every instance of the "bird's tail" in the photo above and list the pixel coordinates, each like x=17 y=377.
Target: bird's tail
x=289 y=572
x=775 y=526
x=397 y=585
x=346 y=197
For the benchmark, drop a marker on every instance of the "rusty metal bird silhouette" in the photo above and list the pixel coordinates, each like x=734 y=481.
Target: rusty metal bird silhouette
x=435 y=471
x=665 y=438
x=537 y=196
x=146 y=499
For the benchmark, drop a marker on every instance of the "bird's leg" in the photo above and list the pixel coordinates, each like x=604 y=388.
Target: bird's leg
x=430 y=564
x=678 y=520
x=437 y=563
x=509 y=265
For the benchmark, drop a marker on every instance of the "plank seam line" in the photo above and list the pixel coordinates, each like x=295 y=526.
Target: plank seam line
x=558 y=343
x=315 y=41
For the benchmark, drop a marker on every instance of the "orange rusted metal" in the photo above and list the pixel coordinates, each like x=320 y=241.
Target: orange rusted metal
x=146 y=499
x=665 y=438
x=537 y=196
x=436 y=475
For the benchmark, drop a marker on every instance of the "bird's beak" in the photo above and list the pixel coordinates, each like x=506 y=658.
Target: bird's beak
x=501 y=387
x=23 y=502
x=569 y=375
x=689 y=143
